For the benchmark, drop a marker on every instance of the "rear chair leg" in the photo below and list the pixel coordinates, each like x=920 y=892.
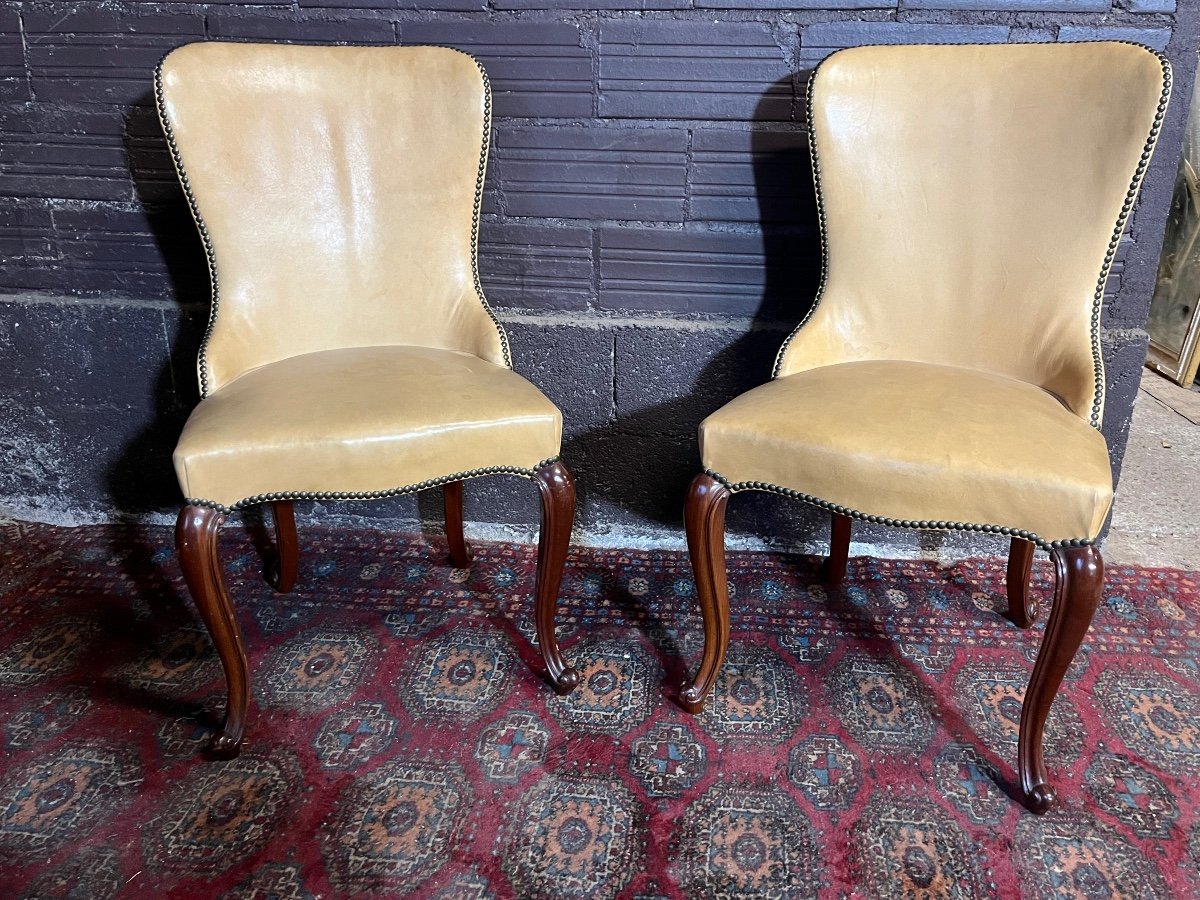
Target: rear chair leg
x=281 y=571
x=834 y=571
x=1022 y=608
x=196 y=542
x=452 y=500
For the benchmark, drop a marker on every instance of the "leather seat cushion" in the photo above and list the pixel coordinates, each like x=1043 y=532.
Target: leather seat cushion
x=919 y=442
x=362 y=420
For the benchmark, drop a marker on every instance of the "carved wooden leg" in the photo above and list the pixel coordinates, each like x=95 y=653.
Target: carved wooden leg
x=704 y=517
x=1080 y=572
x=281 y=571
x=558 y=512
x=839 y=551
x=1022 y=608
x=452 y=499
x=196 y=542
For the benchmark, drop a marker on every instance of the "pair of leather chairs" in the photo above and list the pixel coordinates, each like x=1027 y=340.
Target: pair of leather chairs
x=948 y=376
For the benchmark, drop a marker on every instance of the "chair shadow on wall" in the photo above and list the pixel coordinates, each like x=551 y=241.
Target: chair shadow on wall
x=141 y=482
x=642 y=462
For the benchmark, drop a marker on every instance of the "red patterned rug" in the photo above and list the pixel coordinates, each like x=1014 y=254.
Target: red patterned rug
x=860 y=743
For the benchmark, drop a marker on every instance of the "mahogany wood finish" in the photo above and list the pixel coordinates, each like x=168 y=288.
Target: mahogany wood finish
x=558 y=513
x=452 y=500
x=1080 y=572
x=282 y=570
x=704 y=517
x=834 y=571
x=1022 y=608
x=196 y=542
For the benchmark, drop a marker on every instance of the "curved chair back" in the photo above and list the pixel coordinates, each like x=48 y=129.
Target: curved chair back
x=972 y=199
x=337 y=190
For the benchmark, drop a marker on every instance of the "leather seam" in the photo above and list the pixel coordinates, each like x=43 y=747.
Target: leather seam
x=736 y=487
x=1098 y=390
x=206 y=240
x=277 y=496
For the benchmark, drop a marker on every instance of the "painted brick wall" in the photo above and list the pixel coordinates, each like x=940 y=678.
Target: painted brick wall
x=649 y=231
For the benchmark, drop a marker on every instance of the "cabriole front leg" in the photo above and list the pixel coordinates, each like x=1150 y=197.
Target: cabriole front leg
x=1080 y=572
x=704 y=517
x=558 y=513
x=196 y=542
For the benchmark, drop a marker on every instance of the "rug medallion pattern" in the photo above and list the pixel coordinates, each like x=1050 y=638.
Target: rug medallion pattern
x=860 y=742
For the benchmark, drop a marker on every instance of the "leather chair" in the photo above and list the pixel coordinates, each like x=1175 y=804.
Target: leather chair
x=949 y=374
x=350 y=353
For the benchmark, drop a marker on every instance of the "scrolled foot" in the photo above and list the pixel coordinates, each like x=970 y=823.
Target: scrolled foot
x=1040 y=798
x=1023 y=617
x=224 y=746
x=567 y=681
x=692 y=700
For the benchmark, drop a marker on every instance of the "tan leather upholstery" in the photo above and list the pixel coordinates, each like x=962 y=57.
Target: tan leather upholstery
x=970 y=194
x=350 y=351
x=971 y=197
x=909 y=440
x=362 y=420
x=337 y=186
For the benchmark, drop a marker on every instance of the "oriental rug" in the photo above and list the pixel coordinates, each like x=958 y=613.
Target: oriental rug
x=860 y=742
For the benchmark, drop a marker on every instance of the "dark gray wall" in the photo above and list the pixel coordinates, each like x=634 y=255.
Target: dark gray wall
x=649 y=229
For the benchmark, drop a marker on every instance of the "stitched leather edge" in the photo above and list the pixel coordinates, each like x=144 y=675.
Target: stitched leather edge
x=210 y=253
x=1098 y=389
x=372 y=495
x=736 y=487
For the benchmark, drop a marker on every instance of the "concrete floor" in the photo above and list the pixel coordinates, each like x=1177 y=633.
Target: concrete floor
x=1156 y=517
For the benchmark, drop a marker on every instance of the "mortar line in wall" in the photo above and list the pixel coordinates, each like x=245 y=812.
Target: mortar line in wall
x=597 y=320
x=28 y=73
x=650 y=124
x=169 y=354
x=594 y=299
x=42 y=298
x=612 y=410
x=689 y=167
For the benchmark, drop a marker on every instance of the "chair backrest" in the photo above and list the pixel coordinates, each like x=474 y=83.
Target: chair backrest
x=972 y=199
x=337 y=191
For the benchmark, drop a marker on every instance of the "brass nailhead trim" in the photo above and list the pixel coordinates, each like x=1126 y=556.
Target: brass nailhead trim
x=1126 y=208
x=372 y=495
x=923 y=524
x=210 y=253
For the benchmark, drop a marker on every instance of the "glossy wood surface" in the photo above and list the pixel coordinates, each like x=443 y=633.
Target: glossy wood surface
x=196 y=534
x=704 y=518
x=282 y=570
x=1080 y=572
x=558 y=513
x=834 y=570
x=452 y=501
x=1022 y=608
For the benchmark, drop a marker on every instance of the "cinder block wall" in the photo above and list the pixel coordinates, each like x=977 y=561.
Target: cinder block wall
x=649 y=232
